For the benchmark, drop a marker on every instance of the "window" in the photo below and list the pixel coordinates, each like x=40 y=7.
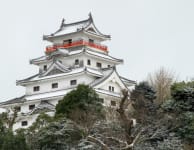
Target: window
x=73 y=82
x=111 y=88
x=18 y=108
x=89 y=63
x=36 y=88
x=101 y=100
x=99 y=65
x=31 y=107
x=54 y=85
x=24 y=123
x=45 y=67
x=77 y=62
x=113 y=103
x=69 y=41
x=91 y=41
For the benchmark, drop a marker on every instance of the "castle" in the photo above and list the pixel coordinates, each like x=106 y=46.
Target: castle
x=76 y=56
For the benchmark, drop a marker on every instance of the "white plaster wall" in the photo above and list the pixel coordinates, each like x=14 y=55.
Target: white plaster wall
x=117 y=88
x=25 y=106
x=63 y=83
x=74 y=37
x=30 y=119
x=108 y=99
x=93 y=62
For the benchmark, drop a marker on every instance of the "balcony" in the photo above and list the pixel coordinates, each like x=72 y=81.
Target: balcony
x=52 y=48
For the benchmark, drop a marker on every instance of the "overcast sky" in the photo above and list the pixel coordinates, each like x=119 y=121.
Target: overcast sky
x=147 y=34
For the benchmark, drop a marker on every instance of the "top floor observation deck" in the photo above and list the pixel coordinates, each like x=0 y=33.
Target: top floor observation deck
x=77 y=43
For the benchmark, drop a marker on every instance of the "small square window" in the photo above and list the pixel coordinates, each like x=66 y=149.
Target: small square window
x=99 y=65
x=18 y=108
x=91 y=41
x=24 y=123
x=36 y=88
x=45 y=67
x=113 y=103
x=113 y=89
x=54 y=85
x=73 y=82
x=101 y=100
x=89 y=62
x=109 y=88
x=31 y=107
x=77 y=62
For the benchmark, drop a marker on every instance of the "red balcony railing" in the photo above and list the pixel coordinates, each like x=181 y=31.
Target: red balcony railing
x=76 y=43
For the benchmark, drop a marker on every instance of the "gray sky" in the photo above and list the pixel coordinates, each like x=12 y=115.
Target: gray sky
x=147 y=34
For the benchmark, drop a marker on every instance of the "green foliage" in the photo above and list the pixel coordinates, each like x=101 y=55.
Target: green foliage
x=9 y=141
x=41 y=121
x=181 y=108
x=145 y=91
x=82 y=98
x=58 y=135
x=186 y=130
x=143 y=101
x=82 y=106
x=178 y=86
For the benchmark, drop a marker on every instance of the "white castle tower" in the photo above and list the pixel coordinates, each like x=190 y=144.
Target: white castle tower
x=76 y=56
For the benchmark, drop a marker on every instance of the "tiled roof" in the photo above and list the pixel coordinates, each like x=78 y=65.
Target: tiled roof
x=73 y=27
x=14 y=101
x=67 y=53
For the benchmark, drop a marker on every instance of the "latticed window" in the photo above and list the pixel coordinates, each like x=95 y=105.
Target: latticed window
x=111 y=88
x=36 y=88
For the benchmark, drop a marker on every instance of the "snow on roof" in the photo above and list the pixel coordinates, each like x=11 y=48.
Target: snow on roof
x=13 y=101
x=108 y=92
x=94 y=71
x=71 y=28
x=72 y=72
x=75 y=27
x=102 y=55
x=66 y=53
x=48 y=95
x=106 y=73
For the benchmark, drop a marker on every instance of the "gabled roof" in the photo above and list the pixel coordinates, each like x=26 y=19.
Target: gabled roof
x=84 y=25
x=107 y=73
x=56 y=65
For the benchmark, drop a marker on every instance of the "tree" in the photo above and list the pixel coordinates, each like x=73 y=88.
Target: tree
x=61 y=134
x=162 y=80
x=181 y=108
x=81 y=105
x=142 y=98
